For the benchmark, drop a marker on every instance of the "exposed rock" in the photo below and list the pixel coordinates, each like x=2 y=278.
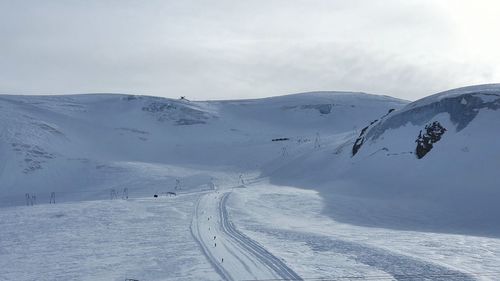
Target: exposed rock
x=426 y=141
x=361 y=138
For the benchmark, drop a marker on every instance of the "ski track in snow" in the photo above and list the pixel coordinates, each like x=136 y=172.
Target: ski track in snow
x=400 y=267
x=253 y=247
x=245 y=259
x=196 y=233
x=264 y=219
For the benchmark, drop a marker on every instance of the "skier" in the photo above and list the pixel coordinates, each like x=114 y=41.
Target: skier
x=214 y=237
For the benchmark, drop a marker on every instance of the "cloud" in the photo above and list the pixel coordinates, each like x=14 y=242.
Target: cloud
x=239 y=49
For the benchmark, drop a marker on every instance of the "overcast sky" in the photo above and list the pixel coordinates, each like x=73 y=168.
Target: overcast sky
x=227 y=49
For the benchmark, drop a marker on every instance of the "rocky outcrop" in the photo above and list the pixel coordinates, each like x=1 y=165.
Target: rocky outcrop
x=426 y=141
x=361 y=138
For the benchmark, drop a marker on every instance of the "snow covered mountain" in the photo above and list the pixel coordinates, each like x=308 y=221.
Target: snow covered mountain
x=430 y=165
x=366 y=167
x=84 y=145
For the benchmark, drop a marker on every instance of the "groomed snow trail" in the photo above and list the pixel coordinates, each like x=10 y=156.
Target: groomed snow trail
x=234 y=255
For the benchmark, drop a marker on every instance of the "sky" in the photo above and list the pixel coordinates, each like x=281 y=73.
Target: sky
x=232 y=49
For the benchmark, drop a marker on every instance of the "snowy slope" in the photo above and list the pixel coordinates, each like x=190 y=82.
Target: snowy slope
x=427 y=166
x=381 y=177
x=81 y=146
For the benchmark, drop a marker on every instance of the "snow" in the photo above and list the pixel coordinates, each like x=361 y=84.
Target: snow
x=141 y=239
x=302 y=207
x=451 y=190
x=87 y=143
x=233 y=254
x=484 y=89
x=290 y=222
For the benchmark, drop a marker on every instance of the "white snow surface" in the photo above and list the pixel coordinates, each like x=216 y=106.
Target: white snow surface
x=481 y=89
x=452 y=189
x=272 y=181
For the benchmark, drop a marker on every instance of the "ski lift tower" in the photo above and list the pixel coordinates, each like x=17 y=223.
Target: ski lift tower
x=317 y=141
x=284 y=151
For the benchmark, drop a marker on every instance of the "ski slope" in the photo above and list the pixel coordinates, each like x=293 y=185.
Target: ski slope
x=92 y=143
x=333 y=187
x=142 y=238
x=262 y=232
x=290 y=223
x=452 y=189
x=235 y=255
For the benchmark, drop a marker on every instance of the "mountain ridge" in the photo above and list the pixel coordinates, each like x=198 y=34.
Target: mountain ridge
x=94 y=143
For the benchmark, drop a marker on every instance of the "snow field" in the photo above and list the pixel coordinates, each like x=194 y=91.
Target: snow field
x=145 y=239
x=290 y=223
